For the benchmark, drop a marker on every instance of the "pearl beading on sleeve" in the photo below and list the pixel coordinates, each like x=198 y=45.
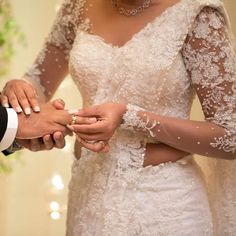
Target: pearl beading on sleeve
x=210 y=60
x=131 y=119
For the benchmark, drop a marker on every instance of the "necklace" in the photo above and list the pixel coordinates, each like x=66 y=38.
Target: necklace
x=134 y=11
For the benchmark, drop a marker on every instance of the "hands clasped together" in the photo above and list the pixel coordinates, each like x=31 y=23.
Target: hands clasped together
x=42 y=126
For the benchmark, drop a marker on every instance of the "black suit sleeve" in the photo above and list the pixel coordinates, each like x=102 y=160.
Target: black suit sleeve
x=3 y=126
x=3 y=123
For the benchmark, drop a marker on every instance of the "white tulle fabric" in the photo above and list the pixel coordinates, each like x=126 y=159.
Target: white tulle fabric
x=112 y=194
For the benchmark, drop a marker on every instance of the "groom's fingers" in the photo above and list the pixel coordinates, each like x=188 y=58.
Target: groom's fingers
x=48 y=142
x=59 y=140
x=35 y=145
x=59 y=104
x=62 y=117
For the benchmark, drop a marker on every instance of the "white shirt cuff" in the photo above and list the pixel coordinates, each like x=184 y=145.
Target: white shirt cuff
x=10 y=134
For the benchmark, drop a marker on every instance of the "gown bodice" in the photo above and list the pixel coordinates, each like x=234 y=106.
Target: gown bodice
x=147 y=71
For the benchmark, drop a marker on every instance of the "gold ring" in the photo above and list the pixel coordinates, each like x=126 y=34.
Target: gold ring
x=73 y=120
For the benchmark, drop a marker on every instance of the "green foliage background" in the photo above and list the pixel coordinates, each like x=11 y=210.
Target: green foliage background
x=9 y=35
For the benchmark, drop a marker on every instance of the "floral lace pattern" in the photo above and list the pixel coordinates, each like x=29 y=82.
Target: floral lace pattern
x=211 y=62
x=113 y=194
x=58 y=44
x=133 y=122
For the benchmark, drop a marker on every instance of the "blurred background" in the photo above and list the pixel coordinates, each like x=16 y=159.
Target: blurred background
x=33 y=195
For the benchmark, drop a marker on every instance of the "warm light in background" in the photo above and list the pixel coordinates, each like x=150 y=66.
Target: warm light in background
x=54 y=206
x=55 y=212
x=57 y=182
x=55 y=215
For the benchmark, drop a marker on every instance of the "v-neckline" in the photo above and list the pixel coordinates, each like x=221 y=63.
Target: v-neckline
x=139 y=32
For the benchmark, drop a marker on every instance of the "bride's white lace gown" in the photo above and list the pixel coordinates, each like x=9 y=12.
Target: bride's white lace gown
x=185 y=49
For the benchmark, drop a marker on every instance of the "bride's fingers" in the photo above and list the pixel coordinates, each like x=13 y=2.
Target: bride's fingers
x=106 y=148
x=14 y=102
x=94 y=147
x=4 y=101
x=89 y=129
x=23 y=101
x=85 y=120
x=92 y=137
x=32 y=98
x=86 y=112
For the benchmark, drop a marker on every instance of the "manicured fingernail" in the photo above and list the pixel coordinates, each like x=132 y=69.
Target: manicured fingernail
x=5 y=105
x=37 y=109
x=18 y=109
x=70 y=127
x=27 y=111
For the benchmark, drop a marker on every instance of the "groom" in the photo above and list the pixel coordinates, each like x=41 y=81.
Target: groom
x=19 y=126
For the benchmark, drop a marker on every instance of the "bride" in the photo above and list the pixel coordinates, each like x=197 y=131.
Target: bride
x=138 y=64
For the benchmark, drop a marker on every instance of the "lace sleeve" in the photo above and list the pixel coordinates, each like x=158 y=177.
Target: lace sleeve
x=210 y=60
x=51 y=65
x=211 y=63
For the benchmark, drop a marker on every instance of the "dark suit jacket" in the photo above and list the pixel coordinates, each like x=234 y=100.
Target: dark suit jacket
x=3 y=125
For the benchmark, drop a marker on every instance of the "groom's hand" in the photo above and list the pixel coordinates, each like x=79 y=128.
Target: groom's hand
x=47 y=122
x=57 y=140
x=47 y=142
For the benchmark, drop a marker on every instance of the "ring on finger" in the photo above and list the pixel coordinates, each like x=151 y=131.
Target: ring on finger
x=73 y=120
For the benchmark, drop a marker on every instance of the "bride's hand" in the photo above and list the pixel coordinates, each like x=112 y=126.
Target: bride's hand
x=21 y=96
x=97 y=146
x=109 y=117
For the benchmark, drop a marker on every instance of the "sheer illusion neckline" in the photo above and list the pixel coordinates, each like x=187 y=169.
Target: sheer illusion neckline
x=139 y=32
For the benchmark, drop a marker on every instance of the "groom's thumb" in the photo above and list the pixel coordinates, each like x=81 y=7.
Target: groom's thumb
x=59 y=104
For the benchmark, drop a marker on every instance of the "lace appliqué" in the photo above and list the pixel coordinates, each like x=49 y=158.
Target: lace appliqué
x=69 y=19
x=210 y=59
x=58 y=44
x=132 y=121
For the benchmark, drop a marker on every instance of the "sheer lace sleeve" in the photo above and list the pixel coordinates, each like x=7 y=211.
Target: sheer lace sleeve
x=211 y=63
x=51 y=65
